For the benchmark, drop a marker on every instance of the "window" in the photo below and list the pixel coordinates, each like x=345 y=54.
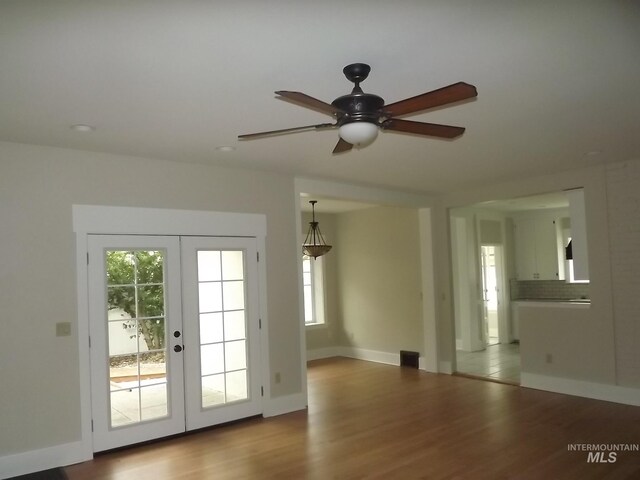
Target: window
x=313 y=287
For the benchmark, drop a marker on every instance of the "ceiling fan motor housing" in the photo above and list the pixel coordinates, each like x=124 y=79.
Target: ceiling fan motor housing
x=359 y=107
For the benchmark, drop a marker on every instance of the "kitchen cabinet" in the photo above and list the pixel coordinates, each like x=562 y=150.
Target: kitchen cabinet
x=536 y=247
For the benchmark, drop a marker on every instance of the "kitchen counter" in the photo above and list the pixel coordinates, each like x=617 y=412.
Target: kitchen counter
x=557 y=302
x=562 y=308
x=570 y=300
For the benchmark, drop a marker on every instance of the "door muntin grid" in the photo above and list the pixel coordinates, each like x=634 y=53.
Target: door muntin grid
x=137 y=337
x=222 y=318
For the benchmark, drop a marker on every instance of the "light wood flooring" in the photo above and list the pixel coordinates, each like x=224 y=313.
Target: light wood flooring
x=367 y=420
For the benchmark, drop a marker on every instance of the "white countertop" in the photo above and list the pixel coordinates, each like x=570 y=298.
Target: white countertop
x=551 y=302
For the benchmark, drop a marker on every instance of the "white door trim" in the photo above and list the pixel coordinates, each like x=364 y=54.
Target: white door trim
x=95 y=219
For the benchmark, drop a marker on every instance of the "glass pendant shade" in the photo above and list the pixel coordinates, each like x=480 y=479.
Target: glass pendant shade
x=314 y=244
x=359 y=134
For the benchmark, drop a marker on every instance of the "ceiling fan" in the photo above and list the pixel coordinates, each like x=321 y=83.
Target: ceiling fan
x=360 y=115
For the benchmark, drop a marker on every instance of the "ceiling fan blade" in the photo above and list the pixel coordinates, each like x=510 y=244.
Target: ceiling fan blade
x=342 y=146
x=453 y=93
x=421 y=128
x=250 y=136
x=309 y=102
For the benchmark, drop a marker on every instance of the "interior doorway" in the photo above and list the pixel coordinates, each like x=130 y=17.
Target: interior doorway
x=483 y=335
x=491 y=287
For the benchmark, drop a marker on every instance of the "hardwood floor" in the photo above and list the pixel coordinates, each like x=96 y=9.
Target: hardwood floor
x=367 y=420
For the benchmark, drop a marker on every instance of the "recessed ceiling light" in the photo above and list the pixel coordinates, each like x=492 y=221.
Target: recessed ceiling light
x=225 y=148
x=83 y=128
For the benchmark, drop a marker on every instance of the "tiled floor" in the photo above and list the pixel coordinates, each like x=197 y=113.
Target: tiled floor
x=498 y=362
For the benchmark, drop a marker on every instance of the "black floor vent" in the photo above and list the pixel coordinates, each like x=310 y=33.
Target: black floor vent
x=409 y=359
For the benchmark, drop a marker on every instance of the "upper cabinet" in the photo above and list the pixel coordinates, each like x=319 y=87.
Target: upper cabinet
x=536 y=246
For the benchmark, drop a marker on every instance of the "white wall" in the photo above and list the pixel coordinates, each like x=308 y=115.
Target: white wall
x=39 y=385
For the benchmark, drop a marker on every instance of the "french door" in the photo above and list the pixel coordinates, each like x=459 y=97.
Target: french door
x=174 y=335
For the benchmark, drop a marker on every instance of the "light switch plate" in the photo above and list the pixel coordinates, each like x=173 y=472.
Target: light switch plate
x=63 y=329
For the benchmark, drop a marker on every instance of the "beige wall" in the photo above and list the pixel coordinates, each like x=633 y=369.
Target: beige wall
x=39 y=384
x=379 y=279
x=623 y=202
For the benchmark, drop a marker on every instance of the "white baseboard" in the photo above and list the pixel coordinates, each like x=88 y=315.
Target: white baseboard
x=445 y=367
x=357 y=353
x=285 y=404
x=320 y=353
x=360 y=354
x=43 y=459
x=371 y=355
x=597 y=391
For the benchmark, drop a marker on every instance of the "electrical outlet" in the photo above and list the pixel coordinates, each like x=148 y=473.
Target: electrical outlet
x=63 y=329
x=549 y=358
x=277 y=377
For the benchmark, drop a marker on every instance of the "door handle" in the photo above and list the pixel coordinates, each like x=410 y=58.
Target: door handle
x=177 y=348
x=176 y=333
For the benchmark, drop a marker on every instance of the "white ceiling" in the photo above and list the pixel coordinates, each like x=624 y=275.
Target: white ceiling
x=176 y=79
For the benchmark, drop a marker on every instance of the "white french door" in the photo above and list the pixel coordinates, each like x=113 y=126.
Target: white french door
x=222 y=352
x=174 y=335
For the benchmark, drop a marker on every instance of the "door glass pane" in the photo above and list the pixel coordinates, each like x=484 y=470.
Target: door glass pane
x=213 y=390
x=149 y=267
x=153 y=368
x=152 y=401
x=120 y=268
x=211 y=359
x=237 y=386
x=210 y=297
x=125 y=407
x=123 y=337
x=209 y=266
x=223 y=327
x=211 y=328
x=232 y=265
x=151 y=336
x=233 y=295
x=234 y=327
x=137 y=337
x=235 y=355
x=150 y=301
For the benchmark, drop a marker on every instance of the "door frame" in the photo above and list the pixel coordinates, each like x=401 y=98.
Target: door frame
x=94 y=219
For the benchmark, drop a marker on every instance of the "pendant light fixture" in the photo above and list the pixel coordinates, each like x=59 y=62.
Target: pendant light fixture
x=314 y=245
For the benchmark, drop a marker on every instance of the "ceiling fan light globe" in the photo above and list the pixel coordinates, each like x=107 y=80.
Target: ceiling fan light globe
x=359 y=134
